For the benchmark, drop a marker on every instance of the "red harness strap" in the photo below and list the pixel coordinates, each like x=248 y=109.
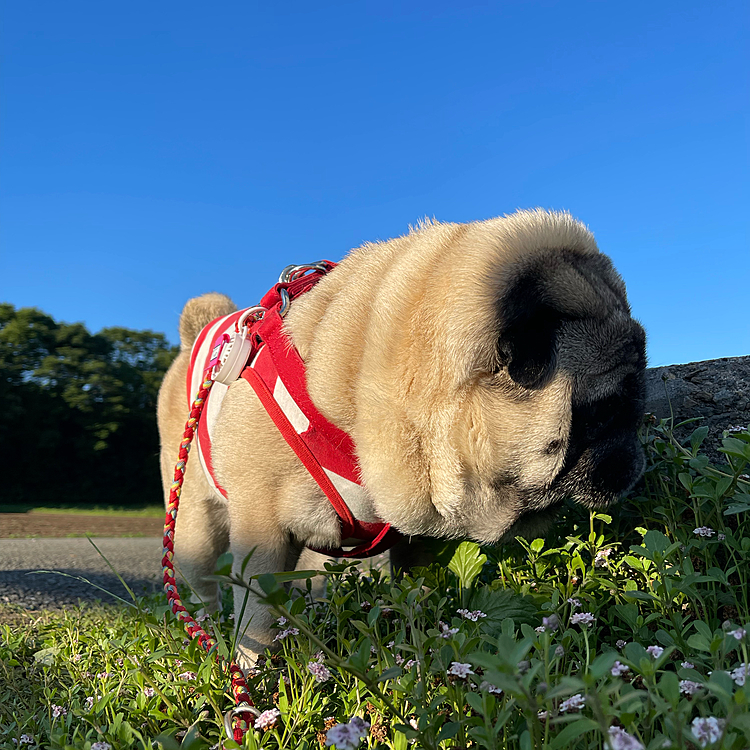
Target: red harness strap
x=276 y=373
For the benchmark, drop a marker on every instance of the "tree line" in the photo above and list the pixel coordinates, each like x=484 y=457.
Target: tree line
x=78 y=411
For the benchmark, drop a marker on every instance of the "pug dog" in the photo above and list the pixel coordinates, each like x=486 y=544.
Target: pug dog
x=484 y=372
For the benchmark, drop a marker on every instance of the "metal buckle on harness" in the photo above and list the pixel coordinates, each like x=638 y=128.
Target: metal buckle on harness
x=229 y=715
x=292 y=273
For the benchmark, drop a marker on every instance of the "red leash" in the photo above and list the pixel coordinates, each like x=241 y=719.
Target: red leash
x=237 y=721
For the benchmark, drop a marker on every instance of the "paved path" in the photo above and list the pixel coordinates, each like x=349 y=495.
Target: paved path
x=137 y=560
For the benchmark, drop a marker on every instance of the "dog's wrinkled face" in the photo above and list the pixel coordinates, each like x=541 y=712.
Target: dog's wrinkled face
x=572 y=362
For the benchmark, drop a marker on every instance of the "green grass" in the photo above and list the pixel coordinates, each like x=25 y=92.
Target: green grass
x=660 y=663
x=154 y=511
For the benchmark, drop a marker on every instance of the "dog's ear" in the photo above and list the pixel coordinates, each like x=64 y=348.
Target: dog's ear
x=527 y=340
x=559 y=286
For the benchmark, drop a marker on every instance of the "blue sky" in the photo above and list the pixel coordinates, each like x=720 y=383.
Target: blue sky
x=155 y=151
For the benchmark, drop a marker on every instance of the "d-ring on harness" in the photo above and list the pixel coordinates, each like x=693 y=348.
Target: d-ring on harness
x=252 y=344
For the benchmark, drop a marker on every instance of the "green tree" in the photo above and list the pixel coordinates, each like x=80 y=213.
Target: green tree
x=79 y=423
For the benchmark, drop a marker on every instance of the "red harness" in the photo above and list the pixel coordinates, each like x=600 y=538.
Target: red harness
x=275 y=370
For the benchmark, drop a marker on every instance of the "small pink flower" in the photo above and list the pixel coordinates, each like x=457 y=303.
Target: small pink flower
x=268 y=719
x=286 y=633
x=187 y=676
x=58 y=711
x=319 y=671
x=149 y=692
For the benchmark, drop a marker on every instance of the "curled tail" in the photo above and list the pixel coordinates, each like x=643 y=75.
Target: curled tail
x=199 y=312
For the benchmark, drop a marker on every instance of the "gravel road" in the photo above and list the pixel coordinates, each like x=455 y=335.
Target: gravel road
x=137 y=560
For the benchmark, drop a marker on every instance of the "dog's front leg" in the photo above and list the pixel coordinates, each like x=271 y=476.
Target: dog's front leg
x=272 y=551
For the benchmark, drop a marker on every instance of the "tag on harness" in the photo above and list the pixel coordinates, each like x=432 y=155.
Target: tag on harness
x=229 y=355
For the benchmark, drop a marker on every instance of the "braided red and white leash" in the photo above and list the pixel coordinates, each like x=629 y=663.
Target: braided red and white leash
x=237 y=721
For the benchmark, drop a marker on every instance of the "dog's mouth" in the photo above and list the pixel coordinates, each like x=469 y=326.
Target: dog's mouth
x=532 y=524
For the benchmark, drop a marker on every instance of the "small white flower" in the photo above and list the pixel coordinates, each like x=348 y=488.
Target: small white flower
x=655 y=651
x=187 y=676
x=202 y=618
x=707 y=730
x=619 y=669
x=149 y=692
x=736 y=428
x=89 y=702
x=543 y=715
x=689 y=687
x=559 y=651
x=281 y=621
x=739 y=633
x=706 y=531
x=721 y=537
x=574 y=603
x=267 y=719
x=447 y=632
x=101 y=746
x=319 y=671
x=413 y=724
x=286 y=633
x=540 y=629
x=26 y=739
x=473 y=616
x=457 y=669
x=600 y=561
x=58 y=711
x=347 y=736
x=739 y=675
x=104 y=675
x=619 y=739
x=621 y=644
x=488 y=687
x=687 y=665
x=574 y=703
x=587 y=618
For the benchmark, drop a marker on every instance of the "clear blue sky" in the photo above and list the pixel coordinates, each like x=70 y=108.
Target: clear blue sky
x=155 y=151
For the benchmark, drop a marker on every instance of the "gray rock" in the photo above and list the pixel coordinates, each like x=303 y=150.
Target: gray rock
x=716 y=390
